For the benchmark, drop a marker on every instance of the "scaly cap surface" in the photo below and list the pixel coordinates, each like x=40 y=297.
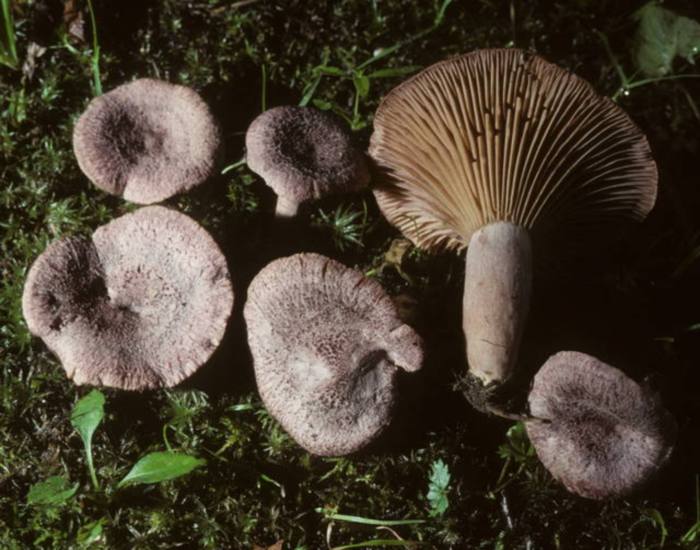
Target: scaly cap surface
x=142 y=304
x=601 y=434
x=147 y=140
x=327 y=344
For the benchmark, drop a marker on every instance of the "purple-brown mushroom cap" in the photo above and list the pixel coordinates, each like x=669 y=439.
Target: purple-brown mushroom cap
x=596 y=430
x=147 y=140
x=327 y=345
x=304 y=154
x=142 y=304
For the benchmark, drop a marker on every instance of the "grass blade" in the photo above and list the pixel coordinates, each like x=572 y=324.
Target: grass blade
x=8 y=47
x=95 y=62
x=160 y=466
x=367 y=521
x=378 y=542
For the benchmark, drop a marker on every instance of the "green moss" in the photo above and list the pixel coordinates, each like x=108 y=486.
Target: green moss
x=258 y=486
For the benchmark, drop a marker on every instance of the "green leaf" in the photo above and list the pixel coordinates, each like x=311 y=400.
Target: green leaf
x=54 y=490
x=310 y=88
x=438 y=487
x=322 y=104
x=518 y=446
x=329 y=70
x=90 y=533
x=398 y=71
x=662 y=36
x=160 y=466
x=86 y=416
x=380 y=53
x=361 y=83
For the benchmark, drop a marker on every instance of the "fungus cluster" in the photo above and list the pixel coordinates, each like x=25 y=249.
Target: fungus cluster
x=480 y=152
x=143 y=302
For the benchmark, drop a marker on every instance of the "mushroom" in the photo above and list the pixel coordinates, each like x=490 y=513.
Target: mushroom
x=327 y=345
x=481 y=150
x=142 y=304
x=596 y=430
x=147 y=140
x=303 y=154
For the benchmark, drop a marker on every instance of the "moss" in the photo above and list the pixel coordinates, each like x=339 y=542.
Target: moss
x=258 y=487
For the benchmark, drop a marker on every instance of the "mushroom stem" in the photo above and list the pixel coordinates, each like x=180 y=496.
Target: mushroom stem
x=497 y=286
x=286 y=208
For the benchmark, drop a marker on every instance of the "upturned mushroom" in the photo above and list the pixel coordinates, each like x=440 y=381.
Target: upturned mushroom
x=304 y=154
x=142 y=304
x=147 y=140
x=484 y=149
x=596 y=430
x=327 y=345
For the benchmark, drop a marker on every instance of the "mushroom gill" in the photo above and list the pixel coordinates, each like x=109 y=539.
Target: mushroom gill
x=480 y=150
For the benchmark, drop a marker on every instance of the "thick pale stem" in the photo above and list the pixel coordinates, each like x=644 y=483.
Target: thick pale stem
x=286 y=208
x=497 y=286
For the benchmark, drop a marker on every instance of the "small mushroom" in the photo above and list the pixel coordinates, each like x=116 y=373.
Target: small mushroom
x=147 y=140
x=304 y=154
x=142 y=304
x=327 y=345
x=482 y=150
x=595 y=429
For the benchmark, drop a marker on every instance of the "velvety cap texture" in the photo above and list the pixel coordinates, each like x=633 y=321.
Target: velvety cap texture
x=327 y=345
x=304 y=153
x=147 y=140
x=142 y=304
x=599 y=432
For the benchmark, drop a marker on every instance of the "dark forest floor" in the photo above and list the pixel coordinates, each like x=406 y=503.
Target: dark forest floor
x=637 y=307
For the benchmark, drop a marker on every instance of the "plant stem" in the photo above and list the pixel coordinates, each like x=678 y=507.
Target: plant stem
x=91 y=467
x=97 y=82
x=263 y=102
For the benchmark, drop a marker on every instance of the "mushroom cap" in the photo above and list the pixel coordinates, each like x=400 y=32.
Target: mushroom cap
x=304 y=153
x=142 y=304
x=147 y=140
x=600 y=433
x=503 y=135
x=327 y=344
